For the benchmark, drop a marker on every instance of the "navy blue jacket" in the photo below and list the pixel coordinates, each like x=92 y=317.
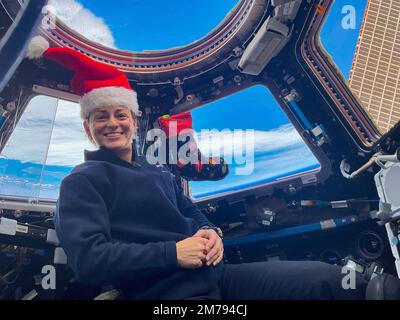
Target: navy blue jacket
x=119 y=223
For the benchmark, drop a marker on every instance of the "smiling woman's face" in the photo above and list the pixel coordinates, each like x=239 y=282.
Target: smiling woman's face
x=112 y=128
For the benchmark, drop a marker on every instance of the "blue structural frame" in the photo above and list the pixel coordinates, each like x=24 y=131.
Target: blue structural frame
x=297 y=230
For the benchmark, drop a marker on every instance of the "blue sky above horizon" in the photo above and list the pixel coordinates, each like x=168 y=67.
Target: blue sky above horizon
x=152 y=25
x=158 y=24
x=341 y=43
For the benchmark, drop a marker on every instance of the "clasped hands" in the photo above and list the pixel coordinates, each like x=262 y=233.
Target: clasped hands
x=205 y=247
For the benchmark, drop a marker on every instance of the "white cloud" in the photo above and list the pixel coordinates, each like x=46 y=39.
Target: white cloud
x=68 y=139
x=277 y=153
x=225 y=142
x=82 y=20
x=266 y=167
x=35 y=137
x=31 y=139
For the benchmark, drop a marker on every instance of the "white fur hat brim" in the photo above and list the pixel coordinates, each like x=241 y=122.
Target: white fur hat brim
x=37 y=47
x=108 y=97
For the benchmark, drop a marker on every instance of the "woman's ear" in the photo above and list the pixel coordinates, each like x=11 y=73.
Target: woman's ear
x=135 y=121
x=87 y=130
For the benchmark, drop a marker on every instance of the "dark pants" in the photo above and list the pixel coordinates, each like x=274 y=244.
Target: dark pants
x=300 y=280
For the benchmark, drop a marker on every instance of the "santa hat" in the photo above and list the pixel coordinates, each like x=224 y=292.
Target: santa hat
x=205 y=168
x=98 y=84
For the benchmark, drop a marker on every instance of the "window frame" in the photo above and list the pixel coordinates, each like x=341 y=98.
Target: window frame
x=288 y=183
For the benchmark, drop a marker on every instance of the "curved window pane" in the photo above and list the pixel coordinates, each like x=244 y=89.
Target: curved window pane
x=363 y=39
x=23 y=158
x=266 y=146
x=142 y=24
x=44 y=147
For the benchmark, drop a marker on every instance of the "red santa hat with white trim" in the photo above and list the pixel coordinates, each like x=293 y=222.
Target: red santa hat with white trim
x=98 y=84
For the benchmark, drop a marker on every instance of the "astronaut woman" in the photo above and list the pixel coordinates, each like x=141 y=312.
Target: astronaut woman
x=127 y=223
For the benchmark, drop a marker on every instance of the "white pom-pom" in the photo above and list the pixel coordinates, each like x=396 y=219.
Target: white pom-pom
x=37 y=47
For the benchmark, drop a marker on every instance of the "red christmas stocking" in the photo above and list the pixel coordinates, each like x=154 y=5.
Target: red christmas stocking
x=183 y=152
